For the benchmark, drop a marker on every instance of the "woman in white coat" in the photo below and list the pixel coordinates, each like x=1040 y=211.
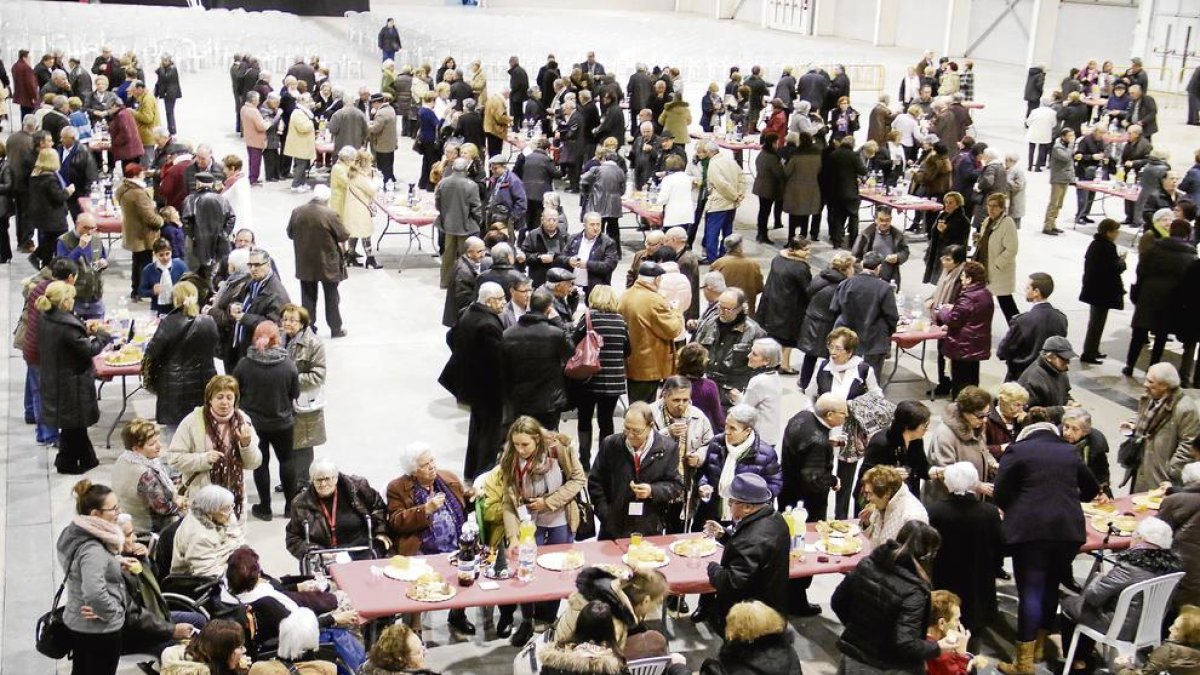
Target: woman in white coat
x=675 y=195
x=356 y=210
x=237 y=191
x=1039 y=133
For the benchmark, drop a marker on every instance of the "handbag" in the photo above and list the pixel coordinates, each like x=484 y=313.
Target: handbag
x=1129 y=456
x=585 y=362
x=371 y=208
x=587 y=515
x=869 y=414
x=53 y=638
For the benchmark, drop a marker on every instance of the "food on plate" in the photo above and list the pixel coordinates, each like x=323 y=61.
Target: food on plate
x=1151 y=500
x=1098 y=509
x=402 y=562
x=838 y=527
x=840 y=545
x=646 y=554
x=694 y=547
x=618 y=571
x=1124 y=524
x=127 y=355
x=433 y=591
x=560 y=561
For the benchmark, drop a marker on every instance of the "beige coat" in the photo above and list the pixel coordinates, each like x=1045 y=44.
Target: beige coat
x=725 y=186
x=479 y=85
x=1002 y=257
x=204 y=551
x=1168 y=449
x=189 y=446
x=653 y=326
x=339 y=180
x=140 y=222
x=360 y=192
x=382 y=130
x=744 y=273
x=302 y=136
x=574 y=480
x=496 y=119
x=254 y=127
x=953 y=442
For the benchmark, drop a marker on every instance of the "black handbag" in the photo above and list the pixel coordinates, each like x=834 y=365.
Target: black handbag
x=51 y=635
x=1129 y=456
x=587 y=516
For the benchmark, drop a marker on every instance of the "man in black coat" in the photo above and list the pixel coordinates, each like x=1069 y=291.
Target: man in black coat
x=755 y=562
x=759 y=90
x=866 y=304
x=261 y=300
x=593 y=255
x=634 y=476
x=1029 y=330
x=845 y=166
x=812 y=87
x=304 y=73
x=470 y=124
x=1143 y=111
x=535 y=352
x=1046 y=379
x=518 y=91
x=612 y=124
x=77 y=168
x=1193 y=94
x=462 y=289
x=474 y=374
x=1035 y=83
x=639 y=90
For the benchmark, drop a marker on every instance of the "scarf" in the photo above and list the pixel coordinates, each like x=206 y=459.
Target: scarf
x=160 y=471
x=109 y=534
x=733 y=456
x=263 y=590
x=164 y=284
x=442 y=534
x=944 y=293
x=255 y=288
x=222 y=433
x=1153 y=414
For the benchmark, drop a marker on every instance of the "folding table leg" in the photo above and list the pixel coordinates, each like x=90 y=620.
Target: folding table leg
x=124 y=404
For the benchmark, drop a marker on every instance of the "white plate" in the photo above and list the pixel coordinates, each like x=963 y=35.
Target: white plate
x=820 y=545
x=415 y=571
x=855 y=530
x=558 y=561
x=412 y=593
x=675 y=548
x=638 y=563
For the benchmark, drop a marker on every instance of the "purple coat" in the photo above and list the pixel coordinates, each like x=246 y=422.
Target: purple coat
x=970 y=325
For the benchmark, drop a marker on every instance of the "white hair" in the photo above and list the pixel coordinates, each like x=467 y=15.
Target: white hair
x=489 y=290
x=299 y=633
x=239 y=260
x=714 y=280
x=743 y=414
x=348 y=153
x=410 y=454
x=1155 y=531
x=211 y=499
x=1163 y=215
x=961 y=478
x=680 y=234
x=502 y=253
x=827 y=402
x=1191 y=474
x=1082 y=416
x=1164 y=373
x=323 y=467
x=770 y=350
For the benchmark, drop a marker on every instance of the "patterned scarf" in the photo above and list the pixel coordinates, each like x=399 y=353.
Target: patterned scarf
x=442 y=534
x=222 y=434
x=109 y=534
x=239 y=331
x=160 y=471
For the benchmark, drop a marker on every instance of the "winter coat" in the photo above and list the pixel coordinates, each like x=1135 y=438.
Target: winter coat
x=301 y=141
x=1102 y=269
x=901 y=508
x=1169 y=657
x=884 y=605
x=1002 y=248
x=769 y=176
x=953 y=441
x=146 y=115
x=506 y=195
x=539 y=242
x=269 y=385
x=46 y=204
x=819 y=316
x=770 y=654
x=806 y=457
x=1181 y=510
x=538 y=172
x=535 y=352
x=675 y=118
x=866 y=304
x=653 y=326
x=316 y=232
x=971 y=541
x=1094 y=607
x=970 y=325
x=865 y=243
x=728 y=350
x=801 y=192
x=141 y=222
x=610 y=381
x=254 y=127
x=68 y=392
x=784 y=300
x=611 y=125
x=181 y=352
x=401 y=91
x=744 y=273
x=561 y=499
x=93 y=575
x=761 y=459
x=1062 y=164
x=934 y=175
x=349 y=128
x=613 y=470
x=460 y=209
x=754 y=563
x=844 y=166
x=1027 y=334
x=203 y=548
x=1159 y=271
x=725 y=188
x=167 y=84
x=353 y=492
x=601 y=262
x=584 y=659
x=461 y=291
x=190 y=443
x=1048 y=388
x=308 y=353
x=595 y=584
x=1167 y=448
x=126 y=140
x=958 y=229
x=147 y=617
x=1035 y=81
x=605 y=185
x=407 y=519
x=1039 y=486
x=887 y=449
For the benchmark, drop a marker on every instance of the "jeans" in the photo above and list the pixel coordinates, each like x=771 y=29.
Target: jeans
x=389 y=54
x=603 y=407
x=255 y=156
x=1083 y=203
x=281 y=441
x=717 y=226
x=95 y=653
x=546 y=536
x=300 y=172
x=1097 y=317
x=348 y=647
x=45 y=434
x=1038 y=568
x=308 y=298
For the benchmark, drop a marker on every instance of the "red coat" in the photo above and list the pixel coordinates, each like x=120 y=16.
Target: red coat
x=25 y=85
x=172 y=189
x=970 y=324
x=777 y=124
x=126 y=141
x=950 y=663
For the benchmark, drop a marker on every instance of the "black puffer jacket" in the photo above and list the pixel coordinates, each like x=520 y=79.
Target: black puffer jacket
x=884 y=606
x=352 y=491
x=1095 y=606
x=819 y=317
x=68 y=377
x=46 y=208
x=767 y=655
x=270 y=384
x=535 y=352
x=182 y=352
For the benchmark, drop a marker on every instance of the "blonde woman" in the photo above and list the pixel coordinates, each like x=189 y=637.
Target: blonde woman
x=181 y=355
x=478 y=81
x=46 y=205
x=442 y=106
x=356 y=212
x=756 y=638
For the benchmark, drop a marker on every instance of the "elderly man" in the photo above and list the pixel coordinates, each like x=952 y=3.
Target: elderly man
x=21 y=157
x=262 y=299
x=363 y=521
x=722 y=183
x=1046 y=379
x=689 y=265
x=382 y=134
x=885 y=240
x=712 y=286
x=592 y=254
x=203 y=163
x=1181 y=510
x=1030 y=329
x=1077 y=430
x=507 y=201
x=535 y=352
x=634 y=477
x=501 y=270
x=76 y=167
x=654 y=239
x=460 y=214
x=461 y=292
x=537 y=171
x=653 y=326
x=728 y=340
x=560 y=283
x=86 y=250
x=755 y=561
x=740 y=271
x=57 y=118
x=349 y=126
x=1168 y=420
x=866 y=304
x=519 y=295
x=643 y=155
x=518 y=86
x=1143 y=111
x=545 y=247
x=474 y=374
x=58 y=85
x=318 y=237
x=208 y=219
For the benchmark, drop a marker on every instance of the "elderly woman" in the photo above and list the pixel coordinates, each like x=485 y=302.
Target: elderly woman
x=968 y=322
x=819 y=317
x=740 y=449
x=971 y=545
x=1149 y=556
x=1179 y=654
x=316 y=521
x=949 y=285
x=764 y=392
x=950 y=229
x=693 y=364
x=299 y=638
x=68 y=378
x=801 y=191
x=784 y=298
x=426 y=509
x=598 y=395
x=1181 y=510
x=996 y=250
x=216 y=443
x=1090 y=442
x=901 y=445
x=1006 y=418
x=308 y=353
x=960 y=438
x=1165 y=425
x=208 y=534
x=756 y=641
x=1039 y=486
x=540 y=475
x=180 y=354
x=889 y=504
x=150 y=626
x=142 y=483
x=398 y=651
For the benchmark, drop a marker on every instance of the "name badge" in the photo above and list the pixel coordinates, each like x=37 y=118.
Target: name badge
x=636 y=508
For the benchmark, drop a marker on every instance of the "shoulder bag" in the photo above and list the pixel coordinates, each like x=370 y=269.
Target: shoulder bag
x=371 y=208
x=585 y=362
x=869 y=414
x=52 y=637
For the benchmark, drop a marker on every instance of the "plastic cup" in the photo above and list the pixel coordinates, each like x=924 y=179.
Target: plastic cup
x=635 y=539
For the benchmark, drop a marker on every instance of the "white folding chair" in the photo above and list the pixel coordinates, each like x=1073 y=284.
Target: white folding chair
x=655 y=665
x=1156 y=594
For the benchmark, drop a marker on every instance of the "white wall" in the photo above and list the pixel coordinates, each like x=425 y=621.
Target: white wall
x=920 y=24
x=615 y=5
x=854 y=19
x=1107 y=35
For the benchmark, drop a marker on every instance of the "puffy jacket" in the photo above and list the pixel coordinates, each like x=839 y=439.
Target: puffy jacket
x=93 y=576
x=770 y=654
x=970 y=325
x=353 y=492
x=819 y=316
x=760 y=459
x=884 y=606
x=1095 y=606
x=269 y=384
x=68 y=376
x=181 y=353
x=535 y=352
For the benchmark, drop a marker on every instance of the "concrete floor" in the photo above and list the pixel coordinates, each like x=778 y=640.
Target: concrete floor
x=382 y=378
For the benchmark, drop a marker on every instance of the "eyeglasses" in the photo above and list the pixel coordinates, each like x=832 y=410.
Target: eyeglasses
x=980 y=415
x=258 y=264
x=115 y=508
x=836 y=349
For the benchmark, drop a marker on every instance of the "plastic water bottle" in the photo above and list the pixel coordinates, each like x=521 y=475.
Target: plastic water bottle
x=124 y=318
x=526 y=552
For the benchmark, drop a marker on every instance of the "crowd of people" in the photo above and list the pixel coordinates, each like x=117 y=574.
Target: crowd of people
x=538 y=326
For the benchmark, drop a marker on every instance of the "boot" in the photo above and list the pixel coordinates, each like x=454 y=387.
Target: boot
x=371 y=264
x=1022 y=664
x=352 y=259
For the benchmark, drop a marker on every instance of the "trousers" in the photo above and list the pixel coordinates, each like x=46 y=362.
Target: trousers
x=281 y=441
x=1038 y=568
x=308 y=299
x=717 y=226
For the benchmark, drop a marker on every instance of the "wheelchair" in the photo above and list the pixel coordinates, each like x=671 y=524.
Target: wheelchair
x=316 y=561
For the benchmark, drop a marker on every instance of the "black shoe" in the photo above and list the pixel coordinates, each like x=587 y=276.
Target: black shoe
x=504 y=626
x=147 y=667
x=763 y=240
x=1087 y=220
x=1052 y=233
x=705 y=261
x=1070 y=584
x=35 y=261
x=944 y=388
x=459 y=623
x=807 y=609
x=30 y=420
x=678 y=605
x=523 y=634
x=683 y=606
x=353 y=262
x=279 y=489
x=339 y=333
x=262 y=512
x=778 y=226
x=1094 y=359
x=371 y=264
x=699 y=616
x=1003 y=575
x=1127 y=371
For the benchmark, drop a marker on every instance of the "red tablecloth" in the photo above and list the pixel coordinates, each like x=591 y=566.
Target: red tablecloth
x=400 y=213
x=324 y=148
x=975 y=105
x=1095 y=538
x=899 y=203
x=642 y=210
x=104 y=224
x=106 y=372
x=911 y=338
x=1127 y=192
